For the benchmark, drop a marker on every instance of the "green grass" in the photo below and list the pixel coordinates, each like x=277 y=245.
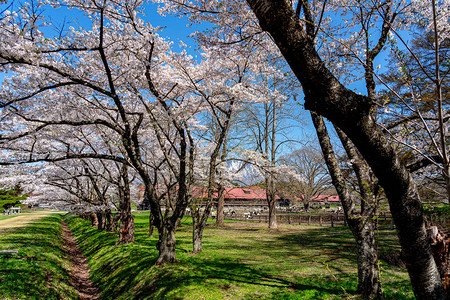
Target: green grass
x=241 y=261
x=4 y=217
x=39 y=271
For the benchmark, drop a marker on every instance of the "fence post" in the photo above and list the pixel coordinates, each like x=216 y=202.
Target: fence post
x=332 y=223
x=320 y=220
x=309 y=220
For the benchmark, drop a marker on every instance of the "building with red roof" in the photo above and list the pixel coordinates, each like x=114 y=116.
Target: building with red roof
x=251 y=197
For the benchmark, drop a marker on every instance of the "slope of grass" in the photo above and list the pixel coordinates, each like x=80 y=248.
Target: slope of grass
x=240 y=261
x=39 y=271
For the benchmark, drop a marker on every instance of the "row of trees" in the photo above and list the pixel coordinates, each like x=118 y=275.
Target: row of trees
x=303 y=29
x=110 y=103
x=355 y=115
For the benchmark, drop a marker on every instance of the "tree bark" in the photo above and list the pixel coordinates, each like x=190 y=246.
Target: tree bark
x=352 y=113
x=94 y=219
x=220 y=206
x=108 y=220
x=115 y=222
x=101 y=217
x=166 y=245
x=269 y=151
x=361 y=224
x=271 y=201
x=368 y=271
x=150 y=224
x=220 y=220
x=197 y=234
x=126 y=228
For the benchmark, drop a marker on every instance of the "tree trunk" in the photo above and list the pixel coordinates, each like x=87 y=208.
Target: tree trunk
x=150 y=224
x=220 y=206
x=273 y=224
x=166 y=246
x=306 y=204
x=101 y=220
x=368 y=272
x=361 y=225
x=115 y=222
x=94 y=219
x=269 y=151
x=197 y=234
x=199 y=221
x=447 y=182
x=200 y=218
x=353 y=114
x=126 y=228
x=109 y=220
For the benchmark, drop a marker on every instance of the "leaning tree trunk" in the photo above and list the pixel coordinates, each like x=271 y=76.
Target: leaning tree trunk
x=201 y=218
x=353 y=114
x=364 y=228
x=361 y=224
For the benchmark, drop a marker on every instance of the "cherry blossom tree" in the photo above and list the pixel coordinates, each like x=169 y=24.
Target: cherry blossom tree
x=115 y=79
x=351 y=112
x=295 y=28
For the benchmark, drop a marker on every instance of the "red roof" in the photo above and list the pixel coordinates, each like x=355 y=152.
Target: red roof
x=249 y=193
x=322 y=198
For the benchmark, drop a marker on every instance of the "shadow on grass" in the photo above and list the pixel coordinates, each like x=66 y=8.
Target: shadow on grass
x=337 y=243
x=127 y=271
x=243 y=263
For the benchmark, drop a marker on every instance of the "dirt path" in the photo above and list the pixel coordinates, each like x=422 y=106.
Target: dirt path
x=80 y=280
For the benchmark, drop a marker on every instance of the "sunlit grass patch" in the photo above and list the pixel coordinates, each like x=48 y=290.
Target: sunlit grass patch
x=40 y=270
x=239 y=261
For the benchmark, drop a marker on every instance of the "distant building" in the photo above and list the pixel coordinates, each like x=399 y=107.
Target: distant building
x=325 y=200
x=235 y=197
x=238 y=198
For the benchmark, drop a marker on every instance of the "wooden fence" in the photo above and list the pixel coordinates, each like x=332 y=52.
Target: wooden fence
x=308 y=219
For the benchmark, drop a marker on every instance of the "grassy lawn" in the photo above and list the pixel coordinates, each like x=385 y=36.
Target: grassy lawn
x=241 y=261
x=39 y=271
x=4 y=217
